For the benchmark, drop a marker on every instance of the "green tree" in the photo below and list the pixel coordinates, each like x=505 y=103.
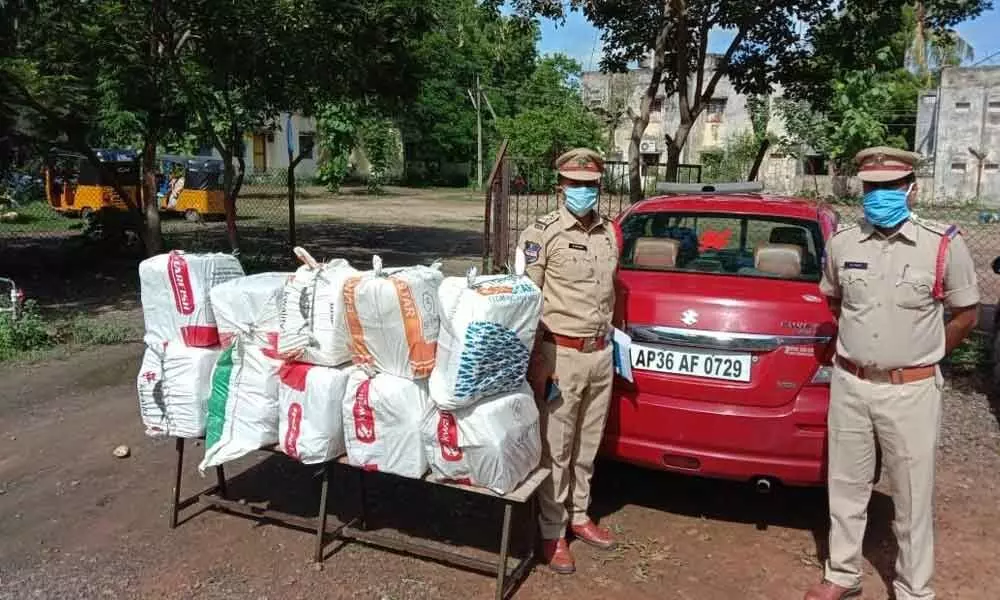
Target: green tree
x=865 y=109
x=675 y=33
x=552 y=117
x=471 y=40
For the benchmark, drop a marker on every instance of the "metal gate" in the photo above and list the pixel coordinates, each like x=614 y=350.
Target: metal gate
x=520 y=190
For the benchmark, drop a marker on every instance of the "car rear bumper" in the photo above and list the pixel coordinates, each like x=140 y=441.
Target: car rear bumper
x=723 y=441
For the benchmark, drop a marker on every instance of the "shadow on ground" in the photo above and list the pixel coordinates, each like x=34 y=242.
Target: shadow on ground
x=71 y=273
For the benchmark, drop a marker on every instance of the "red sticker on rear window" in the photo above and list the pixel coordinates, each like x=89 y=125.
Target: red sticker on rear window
x=714 y=240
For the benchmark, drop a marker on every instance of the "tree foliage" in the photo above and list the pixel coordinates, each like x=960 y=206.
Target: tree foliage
x=552 y=118
x=470 y=40
x=675 y=33
x=866 y=108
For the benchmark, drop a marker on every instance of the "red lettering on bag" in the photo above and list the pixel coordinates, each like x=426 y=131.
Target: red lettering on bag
x=364 y=418
x=292 y=435
x=447 y=432
x=180 y=283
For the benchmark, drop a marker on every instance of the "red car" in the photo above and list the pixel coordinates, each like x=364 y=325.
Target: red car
x=732 y=339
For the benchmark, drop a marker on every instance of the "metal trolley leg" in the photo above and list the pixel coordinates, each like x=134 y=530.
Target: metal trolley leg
x=504 y=548
x=321 y=517
x=220 y=478
x=176 y=495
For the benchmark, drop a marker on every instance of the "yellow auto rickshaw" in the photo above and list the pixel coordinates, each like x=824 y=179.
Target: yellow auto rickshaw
x=192 y=186
x=75 y=187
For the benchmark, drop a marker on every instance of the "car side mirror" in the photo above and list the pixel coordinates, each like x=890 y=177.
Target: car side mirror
x=996 y=265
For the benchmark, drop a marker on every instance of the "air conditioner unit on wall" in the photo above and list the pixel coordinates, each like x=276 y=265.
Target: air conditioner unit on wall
x=648 y=148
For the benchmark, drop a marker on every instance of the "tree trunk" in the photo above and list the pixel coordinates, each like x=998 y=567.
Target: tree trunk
x=229 y=184
x=152 y=237
x=759 y=159
x=675 y=144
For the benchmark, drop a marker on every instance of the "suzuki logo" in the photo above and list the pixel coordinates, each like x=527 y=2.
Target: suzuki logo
x=689 y=317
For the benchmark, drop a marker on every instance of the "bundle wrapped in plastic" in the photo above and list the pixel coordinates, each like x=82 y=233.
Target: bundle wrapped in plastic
x=494 y=444
x=243 y=407
x=312 y=327
x=311 y=422
x=393 y=319
x=174 y=384
x=488 y=328
x=250 y=306
x=382 y=419
x=175 y=290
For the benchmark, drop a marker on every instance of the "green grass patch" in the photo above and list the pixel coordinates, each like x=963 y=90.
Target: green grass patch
x=38 y=217
x=32 y=336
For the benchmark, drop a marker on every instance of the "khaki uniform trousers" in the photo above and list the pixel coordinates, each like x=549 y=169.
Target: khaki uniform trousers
x=906 y=419
x=572 y=425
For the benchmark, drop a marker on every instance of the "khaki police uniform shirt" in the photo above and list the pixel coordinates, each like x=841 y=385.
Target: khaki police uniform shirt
x=575 y=270
x=889 y=317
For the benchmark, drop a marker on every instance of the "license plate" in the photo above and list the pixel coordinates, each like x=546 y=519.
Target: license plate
x=729 y=366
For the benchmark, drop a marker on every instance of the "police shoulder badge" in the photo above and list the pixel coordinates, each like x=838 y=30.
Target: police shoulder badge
x=531 y=252
x=544 y=222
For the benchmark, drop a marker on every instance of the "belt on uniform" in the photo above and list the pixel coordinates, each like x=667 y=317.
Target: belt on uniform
x=897 y=376
x=582 y=344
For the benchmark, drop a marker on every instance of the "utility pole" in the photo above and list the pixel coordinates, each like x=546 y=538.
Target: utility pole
x=477 y=103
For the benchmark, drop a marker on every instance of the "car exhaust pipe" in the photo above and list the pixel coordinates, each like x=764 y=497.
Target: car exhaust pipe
x=762 y=485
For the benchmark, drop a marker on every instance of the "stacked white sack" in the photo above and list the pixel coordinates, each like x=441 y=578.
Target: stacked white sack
x=312 y=318
x=174 y=384
x=311 y=421
x=488 y=327
x=243 y=408
x=382 y=419
x=393 y=319
x=175 y=288
x=494 y=444
x=250 y=306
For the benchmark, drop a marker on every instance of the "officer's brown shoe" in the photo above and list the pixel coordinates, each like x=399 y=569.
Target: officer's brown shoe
x=556 y=554
x=590 y=533
x=831 y=591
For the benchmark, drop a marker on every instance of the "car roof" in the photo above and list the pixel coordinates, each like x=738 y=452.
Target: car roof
x=751 y=204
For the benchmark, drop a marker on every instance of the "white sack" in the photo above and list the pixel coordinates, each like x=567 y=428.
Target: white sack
x=488 y=329
x=494 y=444
x=174 y=385
x=312 y=316
x=243 y=408
x=310 y=416
x=393 y=319
x=382 y=419
x=174 y=289
x=250 y=306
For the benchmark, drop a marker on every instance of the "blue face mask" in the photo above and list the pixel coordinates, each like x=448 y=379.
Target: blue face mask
x=886 y=208
x=580 y=200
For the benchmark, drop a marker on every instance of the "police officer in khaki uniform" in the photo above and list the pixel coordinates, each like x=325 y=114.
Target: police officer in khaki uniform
x=888 y=278
x=572 y=254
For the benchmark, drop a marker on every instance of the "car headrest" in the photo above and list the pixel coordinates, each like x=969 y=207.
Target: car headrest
x=655 y=253
x=789 y=235
x=784 y=260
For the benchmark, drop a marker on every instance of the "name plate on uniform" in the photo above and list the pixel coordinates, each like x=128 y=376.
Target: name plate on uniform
x=706 y=364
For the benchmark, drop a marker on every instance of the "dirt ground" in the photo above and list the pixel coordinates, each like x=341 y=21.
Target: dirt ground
x=75 y=522
x=78 y=523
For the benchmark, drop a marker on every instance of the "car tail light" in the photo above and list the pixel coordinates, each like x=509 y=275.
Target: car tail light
x=822 y=375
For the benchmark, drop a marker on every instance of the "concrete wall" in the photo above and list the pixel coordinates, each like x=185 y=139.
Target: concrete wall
x=961 y=117
x=710 y=132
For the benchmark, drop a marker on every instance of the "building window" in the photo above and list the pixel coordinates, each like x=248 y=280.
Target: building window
x=306 y=143
x=930 y=99
x=991 y=166
x=993 y=106
x=715 y=109
x=656 y=105
x=963 y=106
x=958 y=167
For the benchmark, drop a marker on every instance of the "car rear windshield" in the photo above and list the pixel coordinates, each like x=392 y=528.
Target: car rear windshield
x=734 y=245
